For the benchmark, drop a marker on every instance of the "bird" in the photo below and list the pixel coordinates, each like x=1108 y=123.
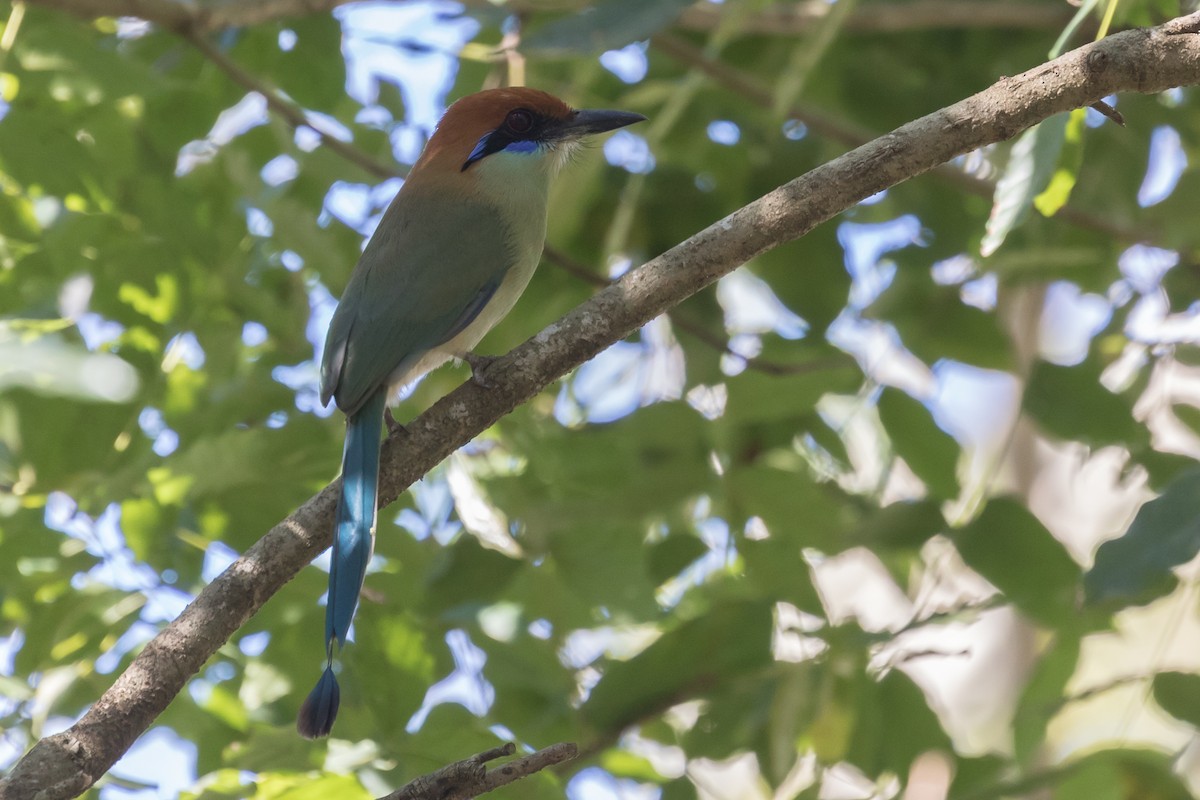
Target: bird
x=451 y=255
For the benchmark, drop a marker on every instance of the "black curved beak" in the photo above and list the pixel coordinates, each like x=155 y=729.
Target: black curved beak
x=588 y=121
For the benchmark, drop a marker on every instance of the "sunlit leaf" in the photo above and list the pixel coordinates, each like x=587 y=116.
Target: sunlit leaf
x=1058 y=191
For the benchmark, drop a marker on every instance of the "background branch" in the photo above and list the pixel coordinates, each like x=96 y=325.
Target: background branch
x=68 y=763
x=212 y=15
x=291 y=113
x=839 y=130
x=469 y=778
x=784 y=19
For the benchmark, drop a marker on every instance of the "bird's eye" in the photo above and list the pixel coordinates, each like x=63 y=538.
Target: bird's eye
x=519 y=121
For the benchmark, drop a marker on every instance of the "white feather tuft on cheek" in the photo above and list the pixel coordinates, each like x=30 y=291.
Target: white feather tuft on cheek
x=564 y=152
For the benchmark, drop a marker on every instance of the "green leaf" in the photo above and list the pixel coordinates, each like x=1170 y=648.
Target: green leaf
x=606 y=566
x=929 y=451
x=874 y=745
x=1009 y=546
x=1043 y=695
x=654 y=461
x=763 y=714
x=273 y=786
x=1135 y=569
x=935 y=324
x=625 y=764
x=534 y=693
x=776 y=568
x=758 y=397
x=1030 y=166
x=465 y=576
x=1071 y=403
x=683 y=663
x=1124 y=774
x=385 y=675
x=224 y=705
x=668 y=558
x=982 y=774
x=1178 y=693
x=793 y=504
x=1188 y=414
x=302 y=71
x=903 y=525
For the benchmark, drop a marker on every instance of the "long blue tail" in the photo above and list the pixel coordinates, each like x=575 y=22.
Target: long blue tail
x=352 y=545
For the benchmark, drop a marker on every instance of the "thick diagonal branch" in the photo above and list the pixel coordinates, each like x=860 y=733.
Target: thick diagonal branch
x=1153 y=60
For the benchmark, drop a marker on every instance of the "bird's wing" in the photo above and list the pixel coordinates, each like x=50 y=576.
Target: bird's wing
x=426 y=273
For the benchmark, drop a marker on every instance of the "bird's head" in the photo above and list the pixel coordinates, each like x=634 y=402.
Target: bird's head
x=512 y=131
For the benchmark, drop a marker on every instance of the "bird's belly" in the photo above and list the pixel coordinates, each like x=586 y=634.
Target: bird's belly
x=510 y=288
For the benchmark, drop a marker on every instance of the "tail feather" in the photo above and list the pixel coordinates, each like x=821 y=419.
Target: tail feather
x=355 y=537
x=353 y=542
x=320 y=707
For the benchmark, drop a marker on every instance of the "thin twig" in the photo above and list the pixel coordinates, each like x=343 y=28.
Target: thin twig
x=469 y=778
x=291 y=113
x=947 y=616
x=1108 y=111
x=209 y=16
x=1084 y=695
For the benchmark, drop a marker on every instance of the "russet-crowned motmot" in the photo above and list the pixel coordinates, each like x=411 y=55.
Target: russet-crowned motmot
x=451 y=255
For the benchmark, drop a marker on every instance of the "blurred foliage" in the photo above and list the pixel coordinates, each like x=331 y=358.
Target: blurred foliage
x=164 y=270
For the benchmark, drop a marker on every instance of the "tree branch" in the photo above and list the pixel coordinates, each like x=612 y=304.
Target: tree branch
x=205 y=15
x=468 y=778
x=291 y=113
x=701 y=333
x=1153 y=60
